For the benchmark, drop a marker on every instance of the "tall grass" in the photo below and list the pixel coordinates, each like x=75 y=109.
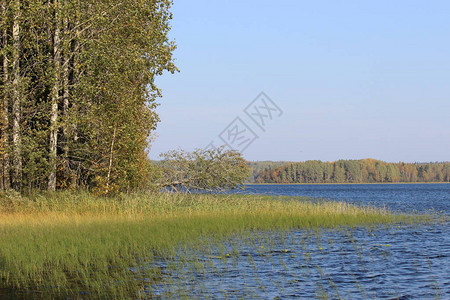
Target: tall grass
x=66 y=244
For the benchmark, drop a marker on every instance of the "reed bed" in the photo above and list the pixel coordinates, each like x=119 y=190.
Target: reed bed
x=71 y=244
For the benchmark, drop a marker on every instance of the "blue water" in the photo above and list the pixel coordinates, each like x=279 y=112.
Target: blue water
x=386 y=262
x=398 y=197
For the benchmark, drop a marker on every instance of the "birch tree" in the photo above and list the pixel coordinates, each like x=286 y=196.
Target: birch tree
x=78 y=93
x=4 y=104
x=16 y=88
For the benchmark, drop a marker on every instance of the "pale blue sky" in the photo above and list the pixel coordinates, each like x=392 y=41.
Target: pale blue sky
x=355 y=79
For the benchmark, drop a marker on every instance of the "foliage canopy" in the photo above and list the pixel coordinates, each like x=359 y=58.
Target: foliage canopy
x=78 y=91
x=204 y=170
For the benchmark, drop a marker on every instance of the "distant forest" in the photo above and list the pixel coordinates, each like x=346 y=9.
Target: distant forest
x=349 y=171
x=258 y=166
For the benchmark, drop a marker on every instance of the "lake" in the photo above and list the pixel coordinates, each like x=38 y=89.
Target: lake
x=386 y=262
x=397 y=197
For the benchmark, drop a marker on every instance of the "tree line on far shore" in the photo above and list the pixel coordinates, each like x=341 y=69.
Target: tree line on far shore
x=354 y=171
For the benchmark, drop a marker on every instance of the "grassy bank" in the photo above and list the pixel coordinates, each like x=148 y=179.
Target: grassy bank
x=67 y=243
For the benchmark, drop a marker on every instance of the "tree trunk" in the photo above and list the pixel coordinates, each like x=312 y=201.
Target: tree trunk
x=54 y=100
x=16 y=103
x=65 y=129
x=111 y=157
x=74 y=74
x=4 y=131
x=65 y=87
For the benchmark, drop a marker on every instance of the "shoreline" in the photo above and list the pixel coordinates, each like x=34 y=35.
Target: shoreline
x=78 y=236
x=347 y=183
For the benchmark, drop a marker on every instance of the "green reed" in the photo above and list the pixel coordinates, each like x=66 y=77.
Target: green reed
x=69 y=243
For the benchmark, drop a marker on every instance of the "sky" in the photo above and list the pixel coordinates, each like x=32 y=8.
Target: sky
x=344 y=79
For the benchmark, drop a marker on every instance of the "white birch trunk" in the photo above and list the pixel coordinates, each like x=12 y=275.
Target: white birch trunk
x=5 y=167
x=54 y=101
x=16 y=102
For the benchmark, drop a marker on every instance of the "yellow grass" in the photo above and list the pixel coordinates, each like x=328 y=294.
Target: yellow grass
x=63 y=243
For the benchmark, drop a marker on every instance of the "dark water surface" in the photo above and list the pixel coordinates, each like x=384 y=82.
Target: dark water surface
x=388 y=262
